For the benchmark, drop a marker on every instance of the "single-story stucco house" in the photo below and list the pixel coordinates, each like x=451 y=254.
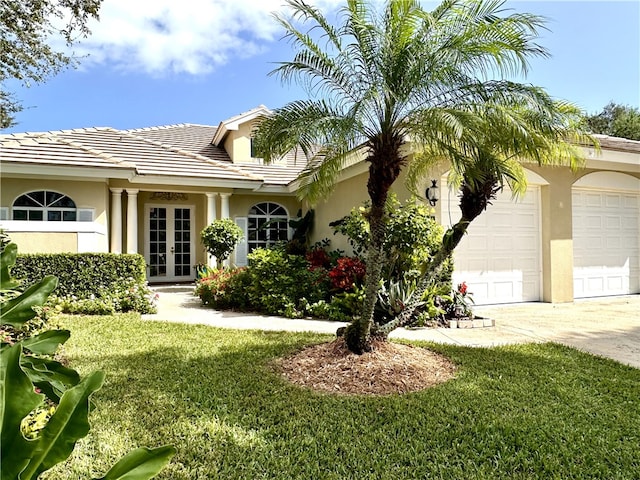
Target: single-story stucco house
x=152 y=191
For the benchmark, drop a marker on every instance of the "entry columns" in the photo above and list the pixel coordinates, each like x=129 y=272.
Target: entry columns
x=224 y=205
x=132 y=220
x=116 y=220
x=211 y=216
x=224 y=213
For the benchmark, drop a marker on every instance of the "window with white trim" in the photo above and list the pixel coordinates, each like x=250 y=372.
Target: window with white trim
x=268 y=223
x=44 y=205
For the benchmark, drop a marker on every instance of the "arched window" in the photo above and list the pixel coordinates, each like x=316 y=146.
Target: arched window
x=44 y=205
x=268 y=223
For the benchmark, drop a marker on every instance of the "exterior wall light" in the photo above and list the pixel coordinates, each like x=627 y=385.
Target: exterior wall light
x=432 y=193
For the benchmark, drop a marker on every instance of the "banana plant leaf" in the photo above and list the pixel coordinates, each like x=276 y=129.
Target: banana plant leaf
x=19 y=310
x=8 y=260
x=140 y=464
x=17 y=399
x=46 y=343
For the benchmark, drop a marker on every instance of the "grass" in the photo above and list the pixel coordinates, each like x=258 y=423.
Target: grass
x=517 y=412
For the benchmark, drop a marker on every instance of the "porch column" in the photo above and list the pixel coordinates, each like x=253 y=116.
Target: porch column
x=211 y=216
x=211 y=207
x=224 y=205
x=132 y=220
x=116 y=220
x=224 y=213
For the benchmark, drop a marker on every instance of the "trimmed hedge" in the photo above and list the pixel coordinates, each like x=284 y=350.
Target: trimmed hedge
x=117 y=279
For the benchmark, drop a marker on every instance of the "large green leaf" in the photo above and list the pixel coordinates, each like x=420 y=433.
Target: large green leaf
x=19 y=310
x=140 y=464
x=17 y=399
x=46 y=343
x=50 y=376
x=8 y=260
x=65 y=427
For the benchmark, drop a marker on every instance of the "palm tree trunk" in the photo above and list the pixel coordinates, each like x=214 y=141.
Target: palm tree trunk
x=450 y=241
x=358 y=333
x=472 y=203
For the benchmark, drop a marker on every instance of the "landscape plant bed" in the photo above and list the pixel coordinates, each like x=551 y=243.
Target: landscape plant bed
x=511 y=412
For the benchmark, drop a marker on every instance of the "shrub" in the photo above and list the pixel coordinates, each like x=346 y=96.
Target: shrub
x=221 y=237
x=91 y=282
x=348 y=273
x=278 y=280
x=225 y=289
x=412 y=236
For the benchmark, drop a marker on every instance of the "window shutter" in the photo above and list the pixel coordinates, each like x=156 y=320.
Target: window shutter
x=85 y=214
x=4 y=213
x=242 y=247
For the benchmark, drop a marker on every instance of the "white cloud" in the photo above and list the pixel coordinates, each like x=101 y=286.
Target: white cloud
x=181 y=36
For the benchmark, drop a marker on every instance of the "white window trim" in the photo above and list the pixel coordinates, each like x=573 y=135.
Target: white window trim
x=269 y=217
x=51 y=227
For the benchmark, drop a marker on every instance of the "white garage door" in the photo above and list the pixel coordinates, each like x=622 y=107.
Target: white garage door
x=500 y=257
x=606 y=245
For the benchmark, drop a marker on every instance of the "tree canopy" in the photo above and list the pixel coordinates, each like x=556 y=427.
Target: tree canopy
x=405 y=88
x=28 y=30
x=616 y=120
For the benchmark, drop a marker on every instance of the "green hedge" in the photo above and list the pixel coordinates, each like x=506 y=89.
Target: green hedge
x=117 y=282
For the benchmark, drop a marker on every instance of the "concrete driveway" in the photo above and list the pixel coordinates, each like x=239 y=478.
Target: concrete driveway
x=608 y=326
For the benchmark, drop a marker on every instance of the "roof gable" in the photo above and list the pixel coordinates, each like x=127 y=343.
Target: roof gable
x=234 y=123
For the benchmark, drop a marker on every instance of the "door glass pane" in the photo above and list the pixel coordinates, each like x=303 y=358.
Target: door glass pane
x=157 y=243
x=182 y=257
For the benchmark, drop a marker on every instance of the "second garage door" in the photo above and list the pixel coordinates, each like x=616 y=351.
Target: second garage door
x=606 y=245
x=500 y=257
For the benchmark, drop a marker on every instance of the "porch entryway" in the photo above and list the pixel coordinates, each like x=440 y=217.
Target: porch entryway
x=169 y=242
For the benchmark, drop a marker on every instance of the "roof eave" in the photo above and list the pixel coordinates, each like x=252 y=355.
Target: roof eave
x=197 y=181
x=15 y=168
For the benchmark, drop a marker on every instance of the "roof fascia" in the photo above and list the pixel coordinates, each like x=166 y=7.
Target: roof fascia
x=196 y=181
x=76 y=172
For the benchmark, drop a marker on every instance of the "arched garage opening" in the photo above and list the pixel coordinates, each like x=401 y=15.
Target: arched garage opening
x=606 y=235
x=500 y=258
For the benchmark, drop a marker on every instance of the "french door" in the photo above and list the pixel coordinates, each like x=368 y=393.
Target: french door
x=169 y=248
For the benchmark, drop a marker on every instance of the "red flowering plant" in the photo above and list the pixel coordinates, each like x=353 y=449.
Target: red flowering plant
x=461 y=301
x=318 y=258
x=348 y=272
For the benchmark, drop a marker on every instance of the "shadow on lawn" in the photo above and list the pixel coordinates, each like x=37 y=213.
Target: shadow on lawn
x=537 y=409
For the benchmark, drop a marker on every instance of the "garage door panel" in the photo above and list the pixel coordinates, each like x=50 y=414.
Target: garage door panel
x=500 y=258
x=612 y=200
x=606 y=243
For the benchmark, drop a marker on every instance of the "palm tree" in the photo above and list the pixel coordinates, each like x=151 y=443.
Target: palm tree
x=486 y=158
x=380 y=82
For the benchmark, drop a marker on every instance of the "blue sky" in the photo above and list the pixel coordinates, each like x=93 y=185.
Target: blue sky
x=202 y=61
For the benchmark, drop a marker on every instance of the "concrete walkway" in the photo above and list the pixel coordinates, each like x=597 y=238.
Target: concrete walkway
x=608 y=326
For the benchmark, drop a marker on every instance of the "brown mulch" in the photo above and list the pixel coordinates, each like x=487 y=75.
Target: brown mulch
x=391 y=368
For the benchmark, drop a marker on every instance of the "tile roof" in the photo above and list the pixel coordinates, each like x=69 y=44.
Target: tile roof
x=50 y=149
x=197 y=139
x=617 y=143
x=155 y=158
x=186 y=136
x=163 y=151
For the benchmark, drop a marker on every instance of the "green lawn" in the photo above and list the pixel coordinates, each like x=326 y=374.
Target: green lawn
x=527 y=411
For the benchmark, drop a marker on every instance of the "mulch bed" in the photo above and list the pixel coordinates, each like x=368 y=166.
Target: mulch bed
x=391 y=368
